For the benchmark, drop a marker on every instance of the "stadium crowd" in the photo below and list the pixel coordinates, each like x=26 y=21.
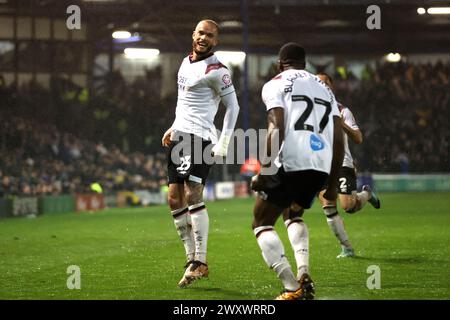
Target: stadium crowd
x=37 y=159
x=404 y=111
x=59 y=140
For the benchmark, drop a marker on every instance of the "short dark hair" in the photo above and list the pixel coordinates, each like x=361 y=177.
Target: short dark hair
x=325 y=75
x=292 y=53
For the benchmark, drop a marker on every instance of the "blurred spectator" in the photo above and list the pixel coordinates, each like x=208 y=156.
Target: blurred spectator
x=404 y=111
x=56 y=140
x=43 y=161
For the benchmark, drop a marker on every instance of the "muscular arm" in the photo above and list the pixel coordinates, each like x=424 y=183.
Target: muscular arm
x=355 y=135
x=275 y=130
x=338 y=157
x=268 y=178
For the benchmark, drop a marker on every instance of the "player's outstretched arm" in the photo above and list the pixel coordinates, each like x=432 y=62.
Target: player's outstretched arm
x=231 y=114
x=338 y=157
x=275 y=131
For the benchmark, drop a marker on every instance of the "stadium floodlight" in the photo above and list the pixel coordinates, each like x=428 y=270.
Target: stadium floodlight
x=121 y=34
x=439 y=10
x=230 y=24
x=393 y=57
x=232 y=57
x=140 y=53
x=421 y=11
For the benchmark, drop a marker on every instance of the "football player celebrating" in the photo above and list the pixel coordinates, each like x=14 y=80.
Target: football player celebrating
x=304 y=117
x=350 y=200
x=202 y=83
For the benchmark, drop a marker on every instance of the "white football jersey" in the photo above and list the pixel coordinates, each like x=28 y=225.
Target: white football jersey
x=349 y=120
x=309 y=107
x=201 y=84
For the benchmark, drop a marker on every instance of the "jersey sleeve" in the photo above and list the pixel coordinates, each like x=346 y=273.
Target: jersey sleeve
x=334 y=105
x=349 y=119
x=271 y=95
x=220 y=80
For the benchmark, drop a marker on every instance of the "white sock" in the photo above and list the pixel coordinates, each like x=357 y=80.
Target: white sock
x=299 y=238
x=200 y=227
x=362 y=199
x=182 y=223
x=336 y=225
x=273 y=254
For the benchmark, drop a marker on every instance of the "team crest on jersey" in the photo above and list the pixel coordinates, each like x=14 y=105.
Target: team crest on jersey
x=316 y=143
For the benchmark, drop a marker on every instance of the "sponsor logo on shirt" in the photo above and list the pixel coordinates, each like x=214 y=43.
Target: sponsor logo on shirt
x=316 y=143
x=182 y=83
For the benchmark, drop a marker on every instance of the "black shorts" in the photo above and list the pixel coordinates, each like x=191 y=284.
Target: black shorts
x=300 y=187
x=347 y=180
x=187 y=165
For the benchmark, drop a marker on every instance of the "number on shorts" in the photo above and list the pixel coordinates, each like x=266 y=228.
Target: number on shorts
x=343 y=185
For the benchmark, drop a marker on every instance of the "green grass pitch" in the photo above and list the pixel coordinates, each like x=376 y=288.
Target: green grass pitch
x=136 y=254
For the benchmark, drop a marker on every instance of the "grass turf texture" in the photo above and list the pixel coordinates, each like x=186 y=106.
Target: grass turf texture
x=136 y=253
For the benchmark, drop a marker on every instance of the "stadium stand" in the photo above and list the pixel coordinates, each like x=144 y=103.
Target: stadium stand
x=404 y=112
x=52 y=141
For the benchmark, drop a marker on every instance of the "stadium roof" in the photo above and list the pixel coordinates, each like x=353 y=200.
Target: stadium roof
x=322 y=26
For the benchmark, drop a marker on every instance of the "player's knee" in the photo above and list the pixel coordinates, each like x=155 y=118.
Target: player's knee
x=349 y=208
x=261 y=220
x=194 y=197
x=348 y=205
x=261 y=223
x=174 y=202
x=293 y=213
x=257 y=220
